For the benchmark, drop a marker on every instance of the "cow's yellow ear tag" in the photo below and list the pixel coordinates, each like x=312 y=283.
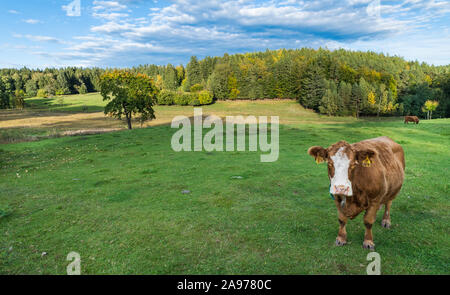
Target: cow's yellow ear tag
x=319 y=160
x=367 y=162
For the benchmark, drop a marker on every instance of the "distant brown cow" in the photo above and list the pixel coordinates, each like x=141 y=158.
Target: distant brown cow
x=413 y=119
x=363 y=176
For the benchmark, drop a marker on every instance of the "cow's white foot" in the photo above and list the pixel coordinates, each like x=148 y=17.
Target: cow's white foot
x=340 y=241
x=368 y=244
x=386 y=223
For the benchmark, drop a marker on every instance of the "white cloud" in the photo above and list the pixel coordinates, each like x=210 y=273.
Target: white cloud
x=110 y=15
x=38 y=38
x=32 y=21
x=109 y=10
x=431 y=44
x=181 y=28
x=108 y=5
x=112 y=27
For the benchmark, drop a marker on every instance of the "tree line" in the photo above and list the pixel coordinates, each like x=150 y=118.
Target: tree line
x=336 y=83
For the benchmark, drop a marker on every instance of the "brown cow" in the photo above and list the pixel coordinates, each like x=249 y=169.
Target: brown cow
x=413 y=119
x=363 y=176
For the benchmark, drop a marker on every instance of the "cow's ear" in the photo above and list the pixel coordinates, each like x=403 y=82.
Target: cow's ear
x=319 y=153
x=365 y=157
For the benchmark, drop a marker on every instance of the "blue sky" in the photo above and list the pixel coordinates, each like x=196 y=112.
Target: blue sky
x=123 y=33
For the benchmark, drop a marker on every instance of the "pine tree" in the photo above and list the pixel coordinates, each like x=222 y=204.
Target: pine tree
x=4 y=96
x=344 y=97
x=312 y=86
x=193 y=73
x=170 y=79
x=218 y=81
x=367 y=96
x=355 y=100
x=329 y=102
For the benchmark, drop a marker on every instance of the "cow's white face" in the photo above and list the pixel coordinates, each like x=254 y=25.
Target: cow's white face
x=340 y=182
x=342 y=159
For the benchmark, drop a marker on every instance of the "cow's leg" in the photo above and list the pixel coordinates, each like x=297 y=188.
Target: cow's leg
x=386 y=222
x=369 y=219
x=341 y=239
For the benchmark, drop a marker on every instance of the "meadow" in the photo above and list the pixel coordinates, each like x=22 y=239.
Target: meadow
x=116 y=198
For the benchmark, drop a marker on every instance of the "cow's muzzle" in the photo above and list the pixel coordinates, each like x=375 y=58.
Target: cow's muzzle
x=343 y=190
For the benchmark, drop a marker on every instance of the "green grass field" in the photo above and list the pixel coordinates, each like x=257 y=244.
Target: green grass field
x=91 y=102
x=116 y=199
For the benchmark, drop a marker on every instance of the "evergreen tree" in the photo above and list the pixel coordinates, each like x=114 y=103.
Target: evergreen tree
x=344 y=98
x=193 y=74
x=4 y=96
x=218 y=81
x=31 y=88
x=312 y=86
x=328 y=104
x=170 y=79
x=355 y=100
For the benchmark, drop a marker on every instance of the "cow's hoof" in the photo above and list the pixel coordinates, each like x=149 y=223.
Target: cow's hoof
x=369 y=245
x=340 y=242
x=386 y=223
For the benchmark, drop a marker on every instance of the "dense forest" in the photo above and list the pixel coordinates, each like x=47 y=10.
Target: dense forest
x=338 y=82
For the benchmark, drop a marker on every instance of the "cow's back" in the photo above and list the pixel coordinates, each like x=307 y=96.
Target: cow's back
x=414 y=119
x=387 y=149
x=386 y=174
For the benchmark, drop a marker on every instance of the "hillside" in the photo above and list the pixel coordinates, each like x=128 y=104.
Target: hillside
x=339 y=82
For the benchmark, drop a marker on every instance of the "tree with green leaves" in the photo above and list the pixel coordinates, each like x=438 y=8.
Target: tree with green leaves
x=429 y=107
x=180 y=74
x=355 y=100
x=218 y=81
x=18 y=81
x=31 y=88
x=82 y=89
x=329 y=102
x=19 y=99
x=170 y=79
x=312 y=86
x=128 y=94
x=4 y=96
x=205 y=97
x=367 y=96
x=193 y=74
x=344 y=97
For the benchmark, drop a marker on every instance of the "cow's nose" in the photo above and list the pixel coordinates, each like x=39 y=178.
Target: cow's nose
x=341 y=189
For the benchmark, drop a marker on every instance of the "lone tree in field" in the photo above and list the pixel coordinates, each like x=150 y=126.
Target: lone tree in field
x=129 y=94
x=429 y=107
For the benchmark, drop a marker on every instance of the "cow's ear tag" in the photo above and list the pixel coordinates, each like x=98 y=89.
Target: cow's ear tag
x=319 y=160
x=367 y=162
